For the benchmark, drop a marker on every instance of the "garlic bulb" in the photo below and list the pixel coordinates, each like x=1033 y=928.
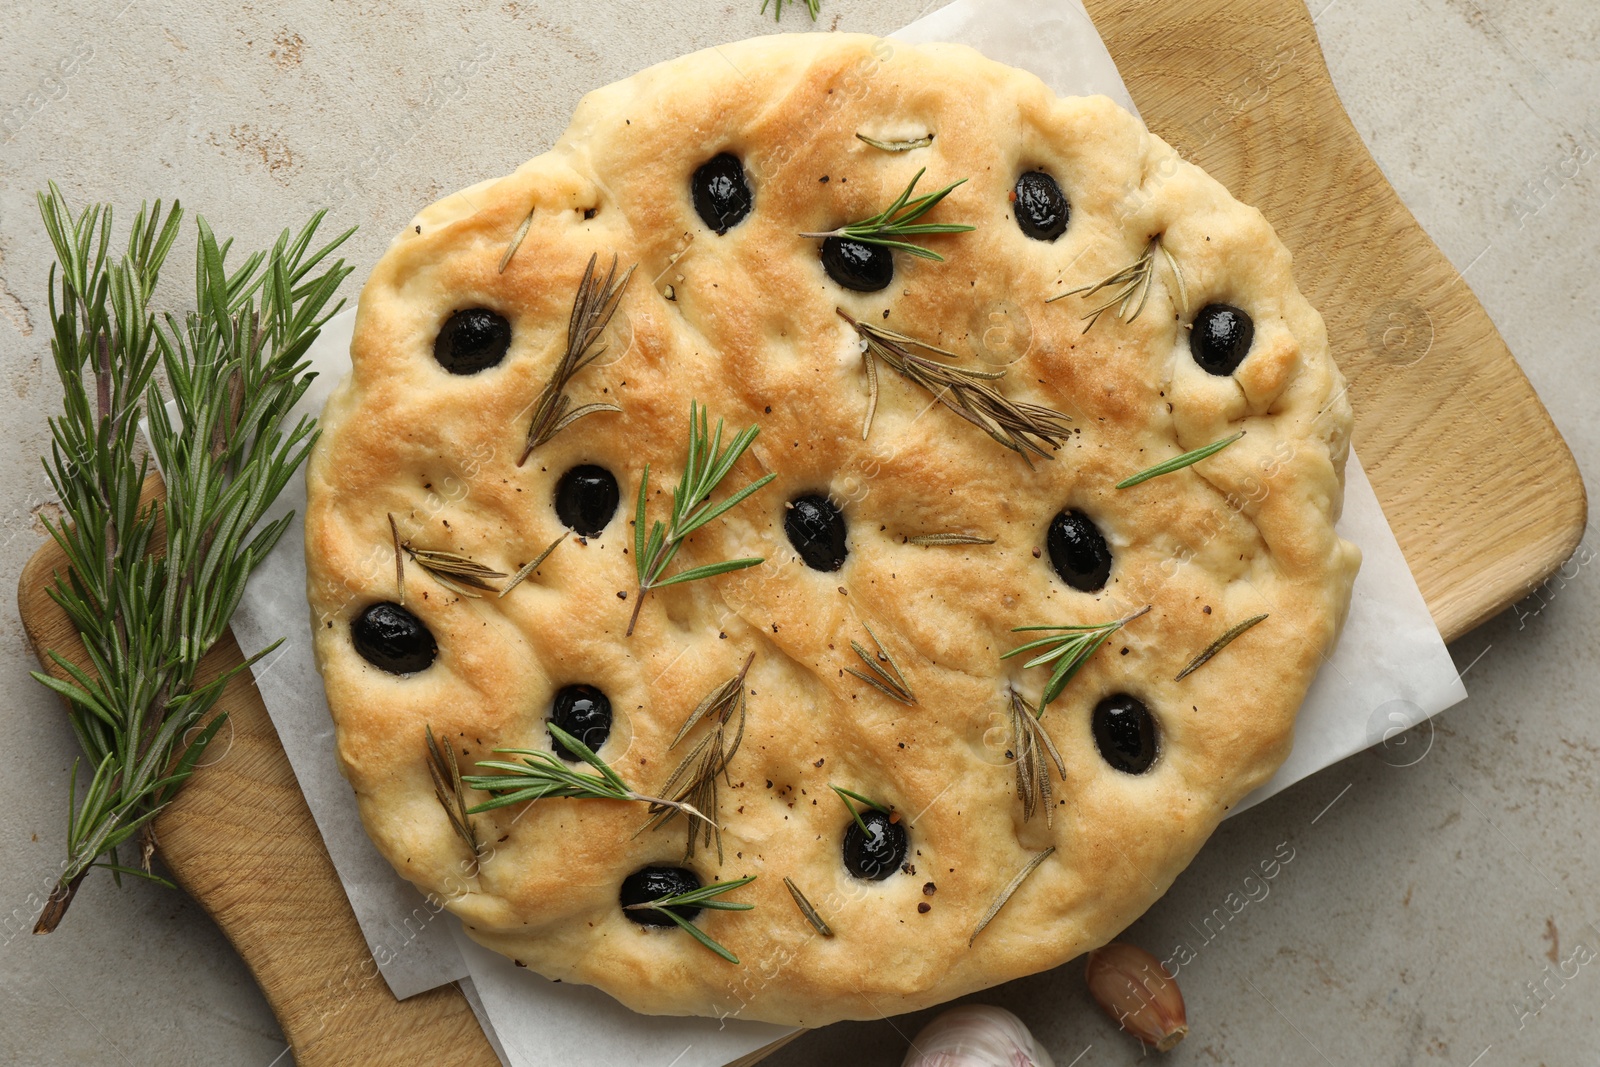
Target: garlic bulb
x=976 y=1035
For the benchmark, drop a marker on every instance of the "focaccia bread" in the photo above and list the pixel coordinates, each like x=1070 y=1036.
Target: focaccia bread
x=881 y=780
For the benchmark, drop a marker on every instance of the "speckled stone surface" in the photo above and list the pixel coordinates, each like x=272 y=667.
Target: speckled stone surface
x=1435 y=912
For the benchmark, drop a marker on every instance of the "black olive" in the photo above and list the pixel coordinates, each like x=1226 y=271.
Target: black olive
x=586 y=499
x=879 y=852
x=472 y=340
x=392 y=639
x=815 y=526
x=653 y=883
x=1042 y=210
x=1125 y=733
x=857 y=265
x=1078 y=551
x=585 y=713
x=721 y=192
x=1221 y=338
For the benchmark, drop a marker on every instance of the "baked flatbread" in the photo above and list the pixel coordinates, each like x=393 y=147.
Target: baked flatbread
x=896 y=565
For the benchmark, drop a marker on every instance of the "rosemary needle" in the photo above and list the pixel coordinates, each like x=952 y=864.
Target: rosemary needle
x=533 y=564
x=1030 y=744
x=806 y=909
x=452 y=796
x=1217 y=646
x=885 y=676
x=1006 y=893
x=1177 y=463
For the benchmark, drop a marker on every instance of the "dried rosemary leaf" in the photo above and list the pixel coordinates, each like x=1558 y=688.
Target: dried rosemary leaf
x=1006 y=893
x=896 y=146
x=806 y=909
x=1217 y=646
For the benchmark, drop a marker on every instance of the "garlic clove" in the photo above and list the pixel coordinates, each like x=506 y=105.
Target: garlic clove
x=976 y=1035
x=1138 y=993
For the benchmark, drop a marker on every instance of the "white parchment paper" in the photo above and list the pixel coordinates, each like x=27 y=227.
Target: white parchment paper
x=1389 y=671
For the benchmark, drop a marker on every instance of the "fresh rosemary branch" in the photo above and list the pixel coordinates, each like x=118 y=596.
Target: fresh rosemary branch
x=695 y=779
x=533 y=564
x=1030 y=744
x=898 y=146
x=1218 y=645
x=704 y=467
x=1011 y=888
x=800 y=901
x=542 y=774
x=885 y=676
x=964 y=391
x=446 y=773
x=457 y=573
x=1070 y=649
x=235 y=367
x=1131 y=286
x=847 y=795
x=704 y=897
x=592 y=309
x=898 y=221
x=1177 y=463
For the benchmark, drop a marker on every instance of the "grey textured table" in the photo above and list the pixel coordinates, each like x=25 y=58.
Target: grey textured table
x=1429 y=910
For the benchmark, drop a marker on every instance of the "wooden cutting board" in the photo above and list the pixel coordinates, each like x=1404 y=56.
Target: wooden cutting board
x=1238 y=86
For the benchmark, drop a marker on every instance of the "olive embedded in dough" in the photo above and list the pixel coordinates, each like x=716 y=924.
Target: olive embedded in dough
x=587 y=498
x=1220 y=338
x=584 y=712
x=392 y=639
x=472 y=340
x=721 y=192
x=816 y=529
x=652 y=883
x=858 y=265
x=1078 y=551
x=1125 y=733
x=879 y=852
x=1042 y=210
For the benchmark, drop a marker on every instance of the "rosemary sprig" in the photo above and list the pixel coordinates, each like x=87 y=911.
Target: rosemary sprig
x=1069 y=649
x=898 y=221
x=235 y=368
x=963 y=390
x=704 y=897
x=806 y=909
x=452 y=796
x=704 y=467
x=1011 y=888
x=896 y=146
x=542 y=774
x=1030 y=744
x=695 y=779
x=1217 y=646
x=885 y=677
x=813 y=6
x=457 y=573
x=948 y=539
x=1177 y=463
x=533 y=564
x=592 y=309
x=847 y=795
x=1130 y=286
